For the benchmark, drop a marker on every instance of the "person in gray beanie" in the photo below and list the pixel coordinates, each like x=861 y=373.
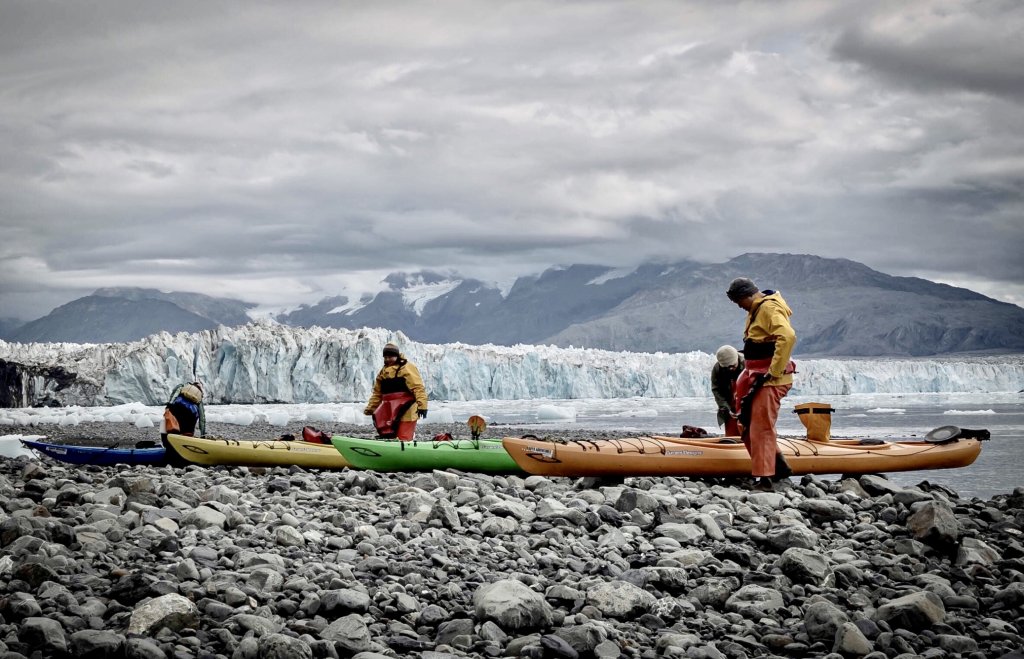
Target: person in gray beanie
x=728 y=366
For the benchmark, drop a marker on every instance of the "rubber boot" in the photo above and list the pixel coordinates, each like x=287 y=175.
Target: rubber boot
x=782 y=468
x=817 y=419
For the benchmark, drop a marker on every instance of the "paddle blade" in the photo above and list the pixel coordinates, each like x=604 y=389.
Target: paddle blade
x=477 y=426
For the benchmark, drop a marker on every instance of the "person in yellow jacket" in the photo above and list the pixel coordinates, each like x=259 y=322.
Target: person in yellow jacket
x=768 y=341
x=399 y=399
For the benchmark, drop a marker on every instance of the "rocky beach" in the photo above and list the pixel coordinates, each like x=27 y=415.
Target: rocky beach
x=164 y=562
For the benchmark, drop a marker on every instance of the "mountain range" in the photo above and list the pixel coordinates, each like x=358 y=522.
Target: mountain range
x=116 y=315
x=841 y=308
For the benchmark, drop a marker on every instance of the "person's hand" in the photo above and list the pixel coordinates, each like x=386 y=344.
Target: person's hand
x=763 y=378
x=725 y=409
x=368 y=411
x=421 y=413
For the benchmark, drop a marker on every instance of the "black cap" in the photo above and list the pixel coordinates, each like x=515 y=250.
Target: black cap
x=391 y=349
x=741 y=288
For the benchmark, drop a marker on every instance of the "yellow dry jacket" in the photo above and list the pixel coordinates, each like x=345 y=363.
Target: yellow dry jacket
x=403 y=369
x=767 y=321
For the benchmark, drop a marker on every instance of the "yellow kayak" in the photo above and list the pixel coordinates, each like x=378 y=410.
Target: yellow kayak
x=257 y=452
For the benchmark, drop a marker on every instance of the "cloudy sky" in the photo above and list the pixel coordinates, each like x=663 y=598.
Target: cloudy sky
x=282 y=152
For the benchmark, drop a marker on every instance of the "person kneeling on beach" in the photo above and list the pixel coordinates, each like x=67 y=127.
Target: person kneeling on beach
x=184 y=411
x=399 y=399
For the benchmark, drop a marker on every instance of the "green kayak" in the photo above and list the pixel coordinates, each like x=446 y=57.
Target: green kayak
x=479 y=455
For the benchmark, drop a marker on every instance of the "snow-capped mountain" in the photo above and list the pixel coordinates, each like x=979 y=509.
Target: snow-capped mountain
x=841 y=308
x=265 y=362
x=126 y=314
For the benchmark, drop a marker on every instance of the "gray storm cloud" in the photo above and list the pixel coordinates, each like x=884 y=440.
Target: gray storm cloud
x=277 y=152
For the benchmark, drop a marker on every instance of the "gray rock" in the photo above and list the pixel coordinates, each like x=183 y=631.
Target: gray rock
x=279 y=646
x=850 y=641
x=825 y=510
x=97 y=643
x=143 y=648
x=806 y=566
x=934 y=524
x=171 y=611
x=633 y=499
x=715 y=591
x=878 y=485
x=973 y=550
x=287 y=536
x=511 y=604
x=445 y=512
x=684 y=534
x=43 y=633
x=345 y=600
x=448 y=631
x=822 y=621
x=242 y=623
x=351 y=633
x=497 y=526
x=784 y=536
x=186 y=570
x=583 y=638
x=753 y=601
x=957 y=644
x=914 y=612
x=265 y=580
x=204 y=517
x=620 y=599
x=1011 y=596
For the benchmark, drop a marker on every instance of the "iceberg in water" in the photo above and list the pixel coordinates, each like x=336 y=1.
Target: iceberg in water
x=264 y=362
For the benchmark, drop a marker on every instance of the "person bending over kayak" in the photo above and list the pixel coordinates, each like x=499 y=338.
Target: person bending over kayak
x=768 y=341
x=728 y=366
x=399 y=399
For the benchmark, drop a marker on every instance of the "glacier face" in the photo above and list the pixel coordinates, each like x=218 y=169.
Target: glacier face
x=264 y=362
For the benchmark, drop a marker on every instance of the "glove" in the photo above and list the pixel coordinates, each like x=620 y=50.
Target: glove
x=763 y=378
x=368 y=412
x=421 y=413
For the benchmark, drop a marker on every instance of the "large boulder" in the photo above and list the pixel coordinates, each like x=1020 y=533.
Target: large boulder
x=172 y=611
x=914 y=612
x=620 y=599
x=512 y=605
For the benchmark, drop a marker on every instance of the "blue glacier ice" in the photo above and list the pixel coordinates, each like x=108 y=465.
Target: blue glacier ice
x=264 y=362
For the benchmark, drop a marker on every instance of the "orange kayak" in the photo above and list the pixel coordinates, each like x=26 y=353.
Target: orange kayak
x=721 y=456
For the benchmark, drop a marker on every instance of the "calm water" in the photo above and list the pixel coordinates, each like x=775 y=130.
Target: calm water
x=998 y=470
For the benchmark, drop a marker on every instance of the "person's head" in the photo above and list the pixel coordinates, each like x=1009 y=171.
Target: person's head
x=391 y=353
x=742 y=291
x=727 y=356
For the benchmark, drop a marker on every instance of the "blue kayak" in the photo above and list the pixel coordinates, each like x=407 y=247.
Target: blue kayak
x=98 y=455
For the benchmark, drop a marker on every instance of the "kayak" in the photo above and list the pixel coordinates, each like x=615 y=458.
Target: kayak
x=99 y=455
x=482 y=455
x=257 y=453
x=723 y=456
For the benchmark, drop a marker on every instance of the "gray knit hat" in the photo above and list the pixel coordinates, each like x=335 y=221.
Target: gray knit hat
x=727 y=356
x=740 y=288
x=391 y=349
